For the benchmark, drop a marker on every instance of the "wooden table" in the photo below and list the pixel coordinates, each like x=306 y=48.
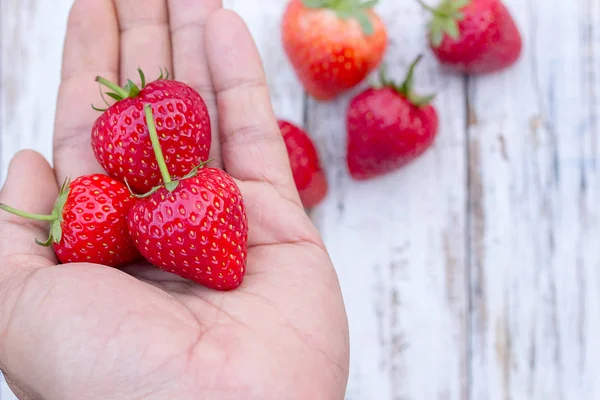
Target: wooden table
x=474 y=273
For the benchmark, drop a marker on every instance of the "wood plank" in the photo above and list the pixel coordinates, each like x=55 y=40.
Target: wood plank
x=31 y=34
x=534 y=194
x=398 y=242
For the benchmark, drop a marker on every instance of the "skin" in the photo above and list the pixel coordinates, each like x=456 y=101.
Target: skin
x=83 y=331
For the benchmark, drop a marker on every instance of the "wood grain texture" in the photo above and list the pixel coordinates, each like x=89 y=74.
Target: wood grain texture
x=31 y=37
x=399 y=242
x=534 y=211
x=471 y=274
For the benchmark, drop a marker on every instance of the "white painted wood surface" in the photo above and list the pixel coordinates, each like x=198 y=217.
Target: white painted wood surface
x=472 y=274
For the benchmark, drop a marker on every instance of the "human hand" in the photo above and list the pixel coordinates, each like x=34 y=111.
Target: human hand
x=83 y=331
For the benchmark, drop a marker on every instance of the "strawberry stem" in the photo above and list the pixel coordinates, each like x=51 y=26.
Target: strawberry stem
x=445 y=19
x=35 y=217
x=55 y=219
x=122 y=93
x=409 y=79
x=406 y=88
x=160 y=158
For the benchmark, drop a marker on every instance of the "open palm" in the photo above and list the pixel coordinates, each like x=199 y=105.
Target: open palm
x=85 y=331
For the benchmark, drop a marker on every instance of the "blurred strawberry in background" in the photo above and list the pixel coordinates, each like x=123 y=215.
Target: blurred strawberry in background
x=332 y=45
x=309 y=177
x=388 y=127
x=473 y=36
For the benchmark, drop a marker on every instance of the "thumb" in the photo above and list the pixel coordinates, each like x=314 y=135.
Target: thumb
x=30 y=186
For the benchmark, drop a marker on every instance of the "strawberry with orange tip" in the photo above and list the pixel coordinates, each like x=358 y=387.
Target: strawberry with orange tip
x=333 y=44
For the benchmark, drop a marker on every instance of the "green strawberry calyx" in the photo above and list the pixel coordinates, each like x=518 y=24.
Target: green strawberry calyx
x=55 y=218
x=405 y=89
x=168 y=182
x=129 y=91
x=346 y=9
x=445 y=19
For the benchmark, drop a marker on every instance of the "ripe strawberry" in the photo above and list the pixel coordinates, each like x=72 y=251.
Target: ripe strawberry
x=474 y=36
x=195 y=227
x=120 y=136
x=388 y=127
x=310 y=179
x=89 y=222
x=333 y=45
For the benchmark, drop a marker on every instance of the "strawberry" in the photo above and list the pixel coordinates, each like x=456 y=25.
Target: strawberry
x=120 y=137
x=332 y=44
x=388 y=127
x=89 y=222
x=474 y=36
x=309 y=177
x=194 y=227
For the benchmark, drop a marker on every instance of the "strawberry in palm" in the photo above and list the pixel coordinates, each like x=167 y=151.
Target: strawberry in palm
x=194 y=227
x=333 y=44
x=388 y=127
x=120 y=138
x=474 y=36
x=89 y=222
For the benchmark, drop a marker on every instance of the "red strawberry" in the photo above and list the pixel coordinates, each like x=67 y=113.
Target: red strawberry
x=120 y=136
x=195 y=227
x=306 y=167
x=333 y=45
x=474 y=36
x=89 y=222
x=388 y=127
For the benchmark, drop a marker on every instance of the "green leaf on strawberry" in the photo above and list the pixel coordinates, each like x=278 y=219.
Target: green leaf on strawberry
x=445 y=19
x=130 y=90
x=347 y=9
x=143 y=77
x=406 y=87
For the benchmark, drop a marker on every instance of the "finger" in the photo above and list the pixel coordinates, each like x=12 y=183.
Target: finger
x=251 y=143
x=188 y=20
x=145 y=40
x=91 y=49
x=31 y=187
